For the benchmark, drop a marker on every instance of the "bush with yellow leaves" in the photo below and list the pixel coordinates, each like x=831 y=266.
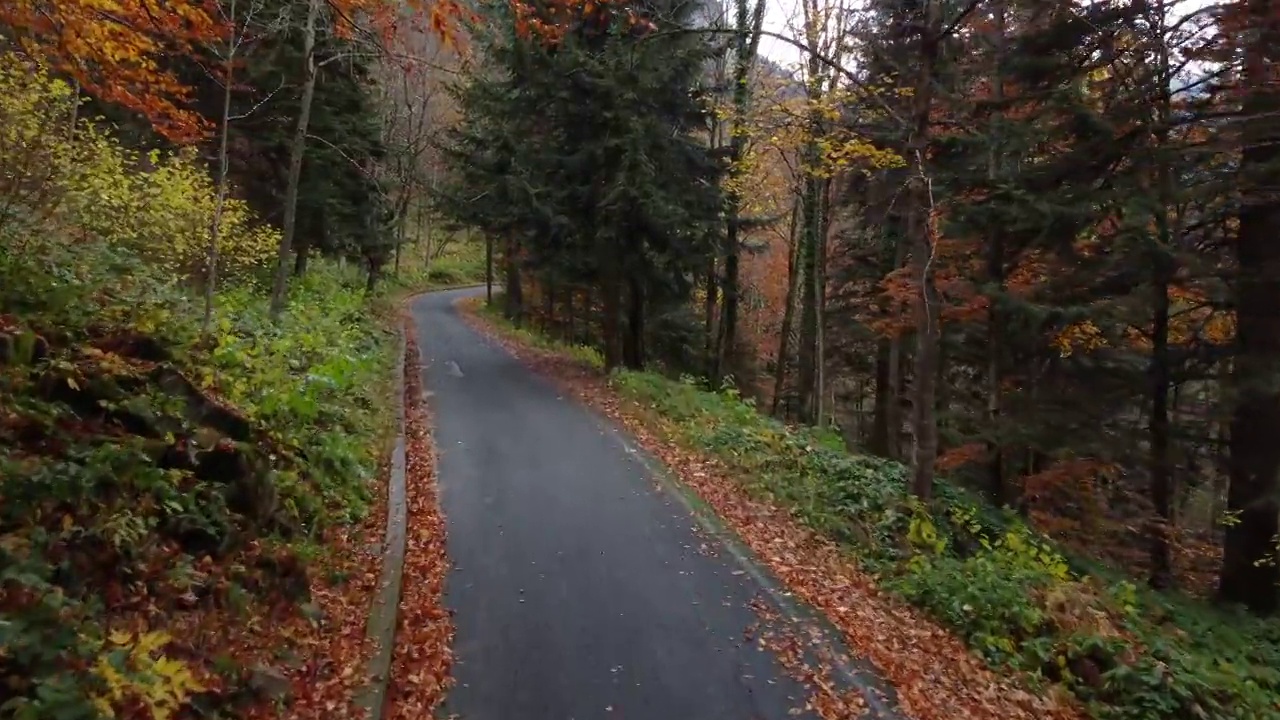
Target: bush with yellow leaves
x=65 y=182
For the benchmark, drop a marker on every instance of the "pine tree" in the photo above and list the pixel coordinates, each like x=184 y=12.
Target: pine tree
x=607 y=184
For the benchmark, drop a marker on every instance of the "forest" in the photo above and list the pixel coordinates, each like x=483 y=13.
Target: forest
x=976 y=291
x=1009 y=255
x=208 y=212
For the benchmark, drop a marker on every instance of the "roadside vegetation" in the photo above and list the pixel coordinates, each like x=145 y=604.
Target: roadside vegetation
x=189 y=482
x=982 y=292
x=1015 y=596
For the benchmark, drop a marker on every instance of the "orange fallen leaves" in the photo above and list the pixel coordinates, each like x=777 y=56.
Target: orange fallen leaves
x=330 y=656
x=423 y=658
x=933 y=673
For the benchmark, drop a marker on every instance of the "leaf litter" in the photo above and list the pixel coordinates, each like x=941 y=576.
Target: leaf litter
x=423 y=658
x=934 y=676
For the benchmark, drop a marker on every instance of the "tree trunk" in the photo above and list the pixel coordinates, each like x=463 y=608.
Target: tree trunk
x=488 y=269
x=1250 y=571
x=633 y=345
x=807 y=352
x=611 y=307
x=375 y=273
x=300 y=259
x=710 y=333
x=995 y=314
x=1160 y=469
x=296 y=150
x=885 y=398
x=789 y=312
x=726 y=337
x=1164 y=270
x=746 y=41
x=549 y=306
x=887 y=429
x=514 y=295
x=220 y=198
x=819 y=289
x=920 y=220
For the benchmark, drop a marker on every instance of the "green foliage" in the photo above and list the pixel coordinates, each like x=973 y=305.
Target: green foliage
x=584 y=354
x=154 y=204
x=1129 y=654
x=144 y=465
x=313 y=379
x=454 y=261
x=609 y=184
x=343 y=205
x=89 y=507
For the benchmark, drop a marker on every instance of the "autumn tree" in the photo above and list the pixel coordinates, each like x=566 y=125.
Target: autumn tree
x=748 y=19
x=119 y=56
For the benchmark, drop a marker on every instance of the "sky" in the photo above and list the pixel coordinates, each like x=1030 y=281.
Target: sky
x=781 y=16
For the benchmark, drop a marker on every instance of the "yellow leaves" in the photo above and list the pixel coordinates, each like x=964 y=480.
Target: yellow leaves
x=922 y=533
x=851 y=150
x=161 y=205
x=1082 y=336
x=133 y=671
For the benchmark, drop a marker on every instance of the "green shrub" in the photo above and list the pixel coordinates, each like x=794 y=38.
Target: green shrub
x=1129 y=654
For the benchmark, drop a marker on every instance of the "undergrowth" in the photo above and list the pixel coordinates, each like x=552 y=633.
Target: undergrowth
x=455 y=261
x=160 y=485
x=1017 y=600
x=147 y=479
x=1128 y=653
x=585 y=354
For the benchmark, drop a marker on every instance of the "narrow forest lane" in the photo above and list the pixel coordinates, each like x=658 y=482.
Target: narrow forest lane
x=581 y=590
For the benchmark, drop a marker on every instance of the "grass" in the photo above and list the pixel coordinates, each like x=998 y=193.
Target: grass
x=584 y=354
x=1016 y=599
x=461 y=262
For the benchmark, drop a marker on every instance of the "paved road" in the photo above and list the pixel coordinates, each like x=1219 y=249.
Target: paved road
x=579 y=587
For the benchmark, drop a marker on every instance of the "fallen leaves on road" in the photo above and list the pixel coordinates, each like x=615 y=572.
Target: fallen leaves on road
x=810 y=663
x=934 y=675
x=423 y=658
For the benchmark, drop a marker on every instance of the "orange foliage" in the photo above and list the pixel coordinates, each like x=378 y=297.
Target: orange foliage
x=551 y=20
x=1069 y=483
x=955 y=265
x=115 y=50
x=957 y=457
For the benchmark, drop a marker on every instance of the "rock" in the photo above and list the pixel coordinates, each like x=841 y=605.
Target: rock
x=313 y=613
x=288 y=575
x=23 y=348
x=200 y=410
x=141 y=347
x=269 y=683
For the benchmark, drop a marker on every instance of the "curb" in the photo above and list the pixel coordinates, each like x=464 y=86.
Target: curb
x=385 y=611
x=857 y=673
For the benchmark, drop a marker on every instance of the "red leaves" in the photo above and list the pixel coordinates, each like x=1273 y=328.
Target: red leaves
x=934 y=674
x=423 y=657
x=333 y=653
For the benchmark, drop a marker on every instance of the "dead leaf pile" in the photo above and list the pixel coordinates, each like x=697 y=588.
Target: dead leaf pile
x=326 y=653
x=933 y=673
x=423 y=658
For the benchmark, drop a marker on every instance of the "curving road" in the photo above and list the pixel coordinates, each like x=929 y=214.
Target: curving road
x=581 y=590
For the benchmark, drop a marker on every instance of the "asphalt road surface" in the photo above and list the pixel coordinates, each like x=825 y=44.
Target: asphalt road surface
x=581 y=590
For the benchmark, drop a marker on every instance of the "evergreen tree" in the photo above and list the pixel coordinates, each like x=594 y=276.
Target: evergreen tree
x=606 y=183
